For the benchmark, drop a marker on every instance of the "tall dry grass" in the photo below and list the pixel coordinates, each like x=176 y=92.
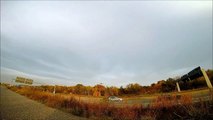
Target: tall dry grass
x=163 y=108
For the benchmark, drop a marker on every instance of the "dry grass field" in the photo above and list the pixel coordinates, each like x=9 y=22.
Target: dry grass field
x=161 y=107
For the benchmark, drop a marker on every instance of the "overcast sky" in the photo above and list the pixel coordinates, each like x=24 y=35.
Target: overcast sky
x=114 y=43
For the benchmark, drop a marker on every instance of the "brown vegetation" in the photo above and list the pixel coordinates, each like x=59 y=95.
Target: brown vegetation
x=164 y=107
x=98 y=90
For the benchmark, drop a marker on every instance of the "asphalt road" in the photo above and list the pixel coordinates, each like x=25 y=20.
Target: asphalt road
x=16 y=107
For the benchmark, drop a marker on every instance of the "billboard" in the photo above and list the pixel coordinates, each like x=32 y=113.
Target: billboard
x=20 y=79
x=195 y=73
x=24 y=80
x=185 y=78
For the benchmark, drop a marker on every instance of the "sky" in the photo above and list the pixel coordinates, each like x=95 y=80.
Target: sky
x=110 y=42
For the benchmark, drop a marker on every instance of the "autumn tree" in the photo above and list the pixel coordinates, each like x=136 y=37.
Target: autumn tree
x=109 y=91
x=133 y=88
x=121 y=90
x=79 y=89
x=169 y=85
x=98 y=90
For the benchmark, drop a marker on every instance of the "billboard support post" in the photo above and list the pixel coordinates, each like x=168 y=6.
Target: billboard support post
x=178 y=87
x=54 y=90
x=208 y=82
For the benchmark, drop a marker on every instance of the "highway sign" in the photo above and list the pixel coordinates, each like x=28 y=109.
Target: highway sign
x=20 y=79
x=24 y=80
x=28 y=81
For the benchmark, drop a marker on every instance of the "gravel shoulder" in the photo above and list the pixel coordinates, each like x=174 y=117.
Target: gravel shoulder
x=16 y=107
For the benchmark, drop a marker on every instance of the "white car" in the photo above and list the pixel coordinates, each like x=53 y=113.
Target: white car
x=114 y=98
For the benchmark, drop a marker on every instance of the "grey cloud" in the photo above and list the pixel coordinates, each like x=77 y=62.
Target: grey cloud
x=107 y=42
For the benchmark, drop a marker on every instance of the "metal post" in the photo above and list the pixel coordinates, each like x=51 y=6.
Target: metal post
x=208 y=82
x=178 y=87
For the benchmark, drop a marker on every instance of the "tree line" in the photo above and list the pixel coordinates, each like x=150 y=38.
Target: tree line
x=161 y=86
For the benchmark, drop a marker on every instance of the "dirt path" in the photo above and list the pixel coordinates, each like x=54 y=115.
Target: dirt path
x=16 y=107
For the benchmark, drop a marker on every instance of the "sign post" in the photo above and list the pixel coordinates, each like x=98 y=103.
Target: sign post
x=208 y=82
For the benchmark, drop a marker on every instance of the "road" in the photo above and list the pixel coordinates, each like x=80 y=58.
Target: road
x=16 y=107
